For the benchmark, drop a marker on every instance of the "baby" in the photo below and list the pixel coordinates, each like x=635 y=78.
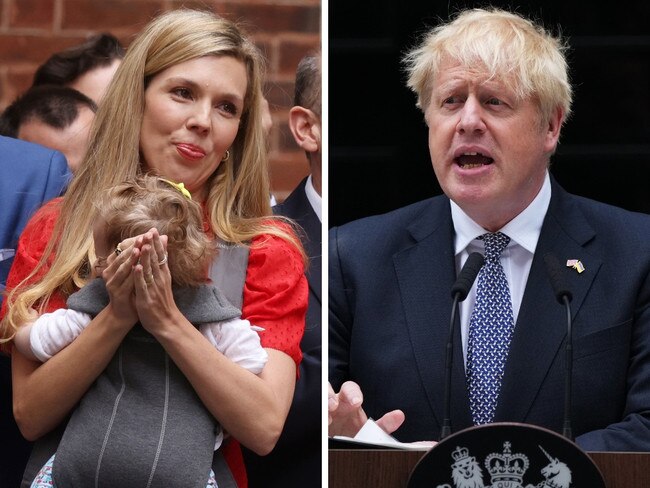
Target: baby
x=141 y=422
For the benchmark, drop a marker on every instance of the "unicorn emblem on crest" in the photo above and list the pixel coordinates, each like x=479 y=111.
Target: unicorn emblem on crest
x=556 y=473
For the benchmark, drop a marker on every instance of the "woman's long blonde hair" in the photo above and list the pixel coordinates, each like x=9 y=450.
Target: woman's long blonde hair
x=238 y=199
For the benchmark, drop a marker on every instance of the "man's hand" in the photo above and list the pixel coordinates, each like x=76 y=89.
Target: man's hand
x=346 y=415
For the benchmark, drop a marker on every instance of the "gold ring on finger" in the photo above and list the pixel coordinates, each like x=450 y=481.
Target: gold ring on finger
x=148 y=279
x=118 y=249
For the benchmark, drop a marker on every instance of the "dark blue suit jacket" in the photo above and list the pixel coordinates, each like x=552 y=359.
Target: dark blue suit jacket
x=389 y=292
x=30 y=175
x=296 y=459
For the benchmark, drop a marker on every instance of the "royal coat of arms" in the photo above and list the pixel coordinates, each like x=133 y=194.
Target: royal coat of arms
x=505 y=470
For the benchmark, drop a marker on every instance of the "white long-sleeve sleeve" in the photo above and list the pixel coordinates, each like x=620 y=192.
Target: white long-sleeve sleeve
x=51 y=332
x=237 y=339
x=234 y=338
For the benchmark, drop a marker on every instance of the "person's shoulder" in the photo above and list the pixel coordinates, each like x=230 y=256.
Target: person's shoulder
x=42 y=222
x=393 y=222
x=274 y=261
x=33 y=165
x=614 y=227
x=276 y=223
x=17 y=148
x=274 y=246
x=373 y=239
x=610 y=216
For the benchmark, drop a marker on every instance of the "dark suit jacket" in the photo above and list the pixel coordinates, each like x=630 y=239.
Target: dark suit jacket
x=296 y=459
x=389 y=292
x=30 y=175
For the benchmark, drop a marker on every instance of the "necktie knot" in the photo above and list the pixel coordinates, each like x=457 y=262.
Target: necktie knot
x=495 y=243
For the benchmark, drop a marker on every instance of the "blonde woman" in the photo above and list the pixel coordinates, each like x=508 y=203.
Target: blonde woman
x=185 y=104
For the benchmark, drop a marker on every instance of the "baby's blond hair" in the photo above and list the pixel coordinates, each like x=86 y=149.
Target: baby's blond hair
x=135 y=206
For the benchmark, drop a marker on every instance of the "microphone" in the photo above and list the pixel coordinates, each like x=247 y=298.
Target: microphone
x=467 y=276
x=459 y=292
x=564 y=297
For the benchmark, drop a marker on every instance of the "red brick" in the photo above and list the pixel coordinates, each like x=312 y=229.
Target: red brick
x=108 y=14
x=273 y=18
x=286 y=142
x=191 y=4
x=267 y=51
x=18 y=82
x=280 y=28
x=3 y=102
x=291 y=52
x=32 y=13
x=21 y=49
x=287 y=170
x=279 y=94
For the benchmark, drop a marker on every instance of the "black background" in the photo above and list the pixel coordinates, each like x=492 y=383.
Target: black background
x=378 y=157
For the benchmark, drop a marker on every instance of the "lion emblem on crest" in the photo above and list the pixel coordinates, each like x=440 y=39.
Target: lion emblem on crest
x=465 y=471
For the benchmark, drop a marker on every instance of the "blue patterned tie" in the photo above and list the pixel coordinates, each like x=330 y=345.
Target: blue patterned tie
x=490 y=331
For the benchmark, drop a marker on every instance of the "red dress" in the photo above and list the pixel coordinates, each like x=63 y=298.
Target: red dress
x=275 y=295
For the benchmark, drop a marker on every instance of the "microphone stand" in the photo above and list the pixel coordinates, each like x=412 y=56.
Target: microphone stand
x=564 y=296
x=446 y=423
x=459 y=292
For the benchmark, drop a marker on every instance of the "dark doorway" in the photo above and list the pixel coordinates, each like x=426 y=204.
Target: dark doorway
x=378 y=155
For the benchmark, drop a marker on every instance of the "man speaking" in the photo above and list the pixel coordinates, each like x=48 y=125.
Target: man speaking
x=495 y=93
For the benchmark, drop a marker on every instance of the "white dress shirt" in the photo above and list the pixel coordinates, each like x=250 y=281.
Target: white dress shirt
x=516 y=259
x=314 y=198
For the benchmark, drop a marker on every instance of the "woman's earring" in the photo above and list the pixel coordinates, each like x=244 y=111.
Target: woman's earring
x=226 y=156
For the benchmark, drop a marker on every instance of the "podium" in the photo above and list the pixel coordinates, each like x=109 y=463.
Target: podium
x=358 y=468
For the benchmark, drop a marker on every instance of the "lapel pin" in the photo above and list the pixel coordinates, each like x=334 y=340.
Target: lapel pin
x=575 y=264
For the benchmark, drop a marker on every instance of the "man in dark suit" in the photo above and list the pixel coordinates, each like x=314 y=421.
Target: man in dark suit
x=31 y=175
x=296 y=459
x=495 y=92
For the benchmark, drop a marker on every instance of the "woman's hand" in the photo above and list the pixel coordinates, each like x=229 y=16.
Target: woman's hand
x=118 y=277
x=154 y=300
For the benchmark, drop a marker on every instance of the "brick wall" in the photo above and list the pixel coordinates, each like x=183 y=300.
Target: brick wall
x=285 y=30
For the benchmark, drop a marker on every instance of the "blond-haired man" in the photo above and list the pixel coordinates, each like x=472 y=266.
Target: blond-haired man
x=495 y=93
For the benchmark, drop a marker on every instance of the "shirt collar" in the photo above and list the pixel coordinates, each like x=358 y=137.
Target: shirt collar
x=314 y=198
x=524 y=229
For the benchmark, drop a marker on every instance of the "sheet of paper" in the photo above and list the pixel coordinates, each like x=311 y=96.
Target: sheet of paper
x=373 y=435
x=371 y=432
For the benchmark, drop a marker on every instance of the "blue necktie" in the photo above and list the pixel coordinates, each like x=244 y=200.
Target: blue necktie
x=490 y=331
